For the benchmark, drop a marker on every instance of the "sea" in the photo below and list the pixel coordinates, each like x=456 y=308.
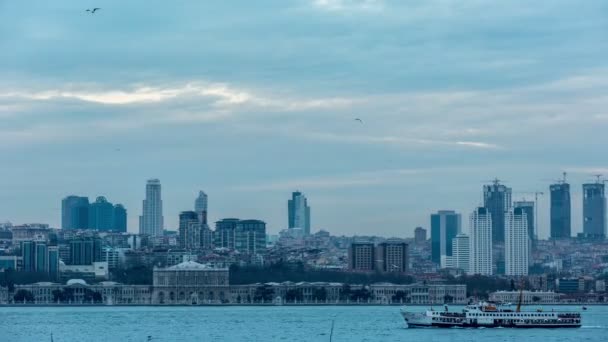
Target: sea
x=263 y=323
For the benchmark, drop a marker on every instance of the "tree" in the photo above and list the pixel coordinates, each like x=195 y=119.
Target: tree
x=536 y=299
x=399 y=297
x=361 y=295
x=23 y=296
x=293 y=295
x=92 y=296
x=263 y=294
x=319 y=294
x=345 y=292
x=448 y=299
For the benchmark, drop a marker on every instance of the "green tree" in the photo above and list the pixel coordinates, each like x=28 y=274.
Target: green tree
x=319 y=294
x=23 y=296
x=293 y=295
x=263 y=294
x=399 y=297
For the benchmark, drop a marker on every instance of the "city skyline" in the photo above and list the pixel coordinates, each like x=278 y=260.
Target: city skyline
x=445 y=102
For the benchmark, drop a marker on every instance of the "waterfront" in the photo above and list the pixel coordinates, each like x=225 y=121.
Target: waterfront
x=352 y=323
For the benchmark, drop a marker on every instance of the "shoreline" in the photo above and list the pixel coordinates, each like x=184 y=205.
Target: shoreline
x=268 y=305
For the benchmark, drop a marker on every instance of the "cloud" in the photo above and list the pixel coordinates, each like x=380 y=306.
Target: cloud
x=349 y=5
x=360 y=179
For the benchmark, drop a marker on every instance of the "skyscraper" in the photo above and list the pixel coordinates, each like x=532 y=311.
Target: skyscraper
x=101 y=214
x=200 y=206
x=560 y=211
x=120 y=218
x=151 y=220
x=594 y=211
x=480 y=238
x=189 y=230
x=528 y=208
x=497 y=199
x=75 y=212
x=517 y=242
x=85 y=251
x=445 y=225
x=461 y=252
x=298 y=212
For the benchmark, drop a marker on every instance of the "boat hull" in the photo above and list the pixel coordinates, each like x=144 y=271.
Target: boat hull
x=420 y=320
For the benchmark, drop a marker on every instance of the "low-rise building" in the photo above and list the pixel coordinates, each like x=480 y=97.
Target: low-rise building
x=528 y=297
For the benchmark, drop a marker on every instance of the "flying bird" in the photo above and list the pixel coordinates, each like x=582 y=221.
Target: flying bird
x=357 y=119
x=93 y=10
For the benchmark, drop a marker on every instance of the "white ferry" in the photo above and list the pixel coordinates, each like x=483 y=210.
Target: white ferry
x=490 y=315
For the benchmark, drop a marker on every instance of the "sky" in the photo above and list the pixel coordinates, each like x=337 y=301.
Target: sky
x=251 y=100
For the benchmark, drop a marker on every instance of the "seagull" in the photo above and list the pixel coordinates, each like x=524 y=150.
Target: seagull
x=357 y=119
x=93 y=10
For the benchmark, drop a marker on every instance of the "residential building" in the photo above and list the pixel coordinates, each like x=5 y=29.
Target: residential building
x=445 y=225
x=419 y=235
x=480 y=235
x=151 y=220
x=392 y=256
x=461 y=252
x=362 y=256
x=560 y=220
x=298 y=212
x=85 y=251
x=189 y=230
x=497 y=200
x=528 y=207
x=75 y=212
x=120 y=218
x=517 y=242
x=101 y=214
x=225 y=233
x=250 y=236
x=594 y=211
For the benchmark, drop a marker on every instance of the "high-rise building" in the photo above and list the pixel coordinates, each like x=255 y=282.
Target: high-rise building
x=151 y=220
x=362 y=256
x=594 y=211
x=560 y=211
x=101 y=214
x=497 y=199
x=225 y=233
x=419 y=235
x=528 y=208
x=298 y=212
x=480 y=237
x=393 y=256
x=250 y=236
x=120 y=218
x=53 y=262
x=200 y=206
x=85 y=251
x=517 y=242
x=37 y=256
x=445 y=225
x=461 y=252
x=75 y=212
x=189 y=230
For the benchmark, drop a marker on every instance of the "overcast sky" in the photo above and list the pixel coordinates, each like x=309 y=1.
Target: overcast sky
x=250 y=100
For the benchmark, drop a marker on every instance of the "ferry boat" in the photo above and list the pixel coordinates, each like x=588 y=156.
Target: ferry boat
x=491 y=315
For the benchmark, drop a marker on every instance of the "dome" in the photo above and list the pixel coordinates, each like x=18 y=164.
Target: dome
x=76 y=282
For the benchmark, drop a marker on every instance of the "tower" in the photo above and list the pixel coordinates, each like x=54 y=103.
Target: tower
x=497 y=199
x=594 y=211
x=517 y=243
x=480 y=242
x=445 y=225
x=298 y=212
x=560 y=219
x=151 y=220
